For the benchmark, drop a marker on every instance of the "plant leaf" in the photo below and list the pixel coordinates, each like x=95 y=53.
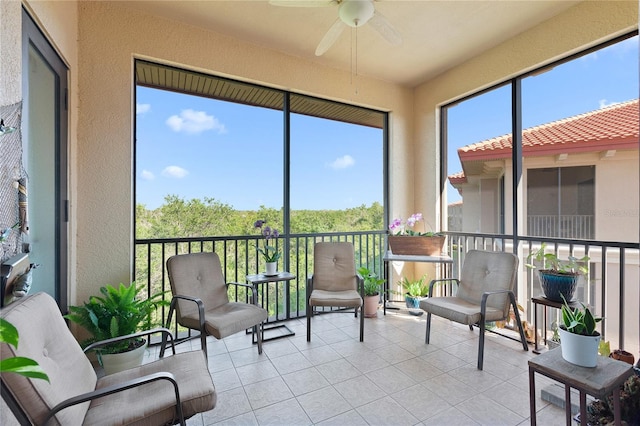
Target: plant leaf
x=23 y=366
x=8 y=333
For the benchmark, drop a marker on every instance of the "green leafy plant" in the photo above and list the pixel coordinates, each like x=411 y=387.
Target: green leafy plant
x=579 y=321
x=372 y=282
x=118 y=312
x=551 y=262
x=17 y=364
x=269 y=252
x=415 y=288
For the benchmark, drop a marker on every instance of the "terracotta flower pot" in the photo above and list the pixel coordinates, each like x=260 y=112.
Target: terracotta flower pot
x=621 y=355
x=416 y=245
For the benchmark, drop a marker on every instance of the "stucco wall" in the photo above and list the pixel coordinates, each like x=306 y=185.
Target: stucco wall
x=617 y=214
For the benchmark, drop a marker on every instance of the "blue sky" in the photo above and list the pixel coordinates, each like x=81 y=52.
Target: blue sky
x=195 y=147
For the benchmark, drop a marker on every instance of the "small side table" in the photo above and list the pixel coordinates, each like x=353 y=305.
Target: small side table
x=261 y=279
x=541 y=300
x=607 y=377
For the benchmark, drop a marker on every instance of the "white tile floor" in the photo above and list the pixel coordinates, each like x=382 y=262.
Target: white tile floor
x=392 y=378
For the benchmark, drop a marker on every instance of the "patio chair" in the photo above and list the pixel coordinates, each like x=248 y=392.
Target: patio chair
x=334 y=282
x=165 y=391
x=485 y=293
x=201 y=302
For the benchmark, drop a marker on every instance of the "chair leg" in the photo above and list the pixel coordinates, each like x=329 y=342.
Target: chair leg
x=426 y=338
x=259 y=330
x=309 y=323
x=523 y=338
x=481 y=344
x=203 y=342
x=361 y=323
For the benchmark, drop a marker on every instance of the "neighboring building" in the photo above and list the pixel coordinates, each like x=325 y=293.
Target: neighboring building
x=580 y=178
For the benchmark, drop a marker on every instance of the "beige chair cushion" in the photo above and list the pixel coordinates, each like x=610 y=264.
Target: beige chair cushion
x=198 y=275
x=44 y=337
x=348 y=298
x=227 y=319
x=488 y=271
x=482 y=271
x=458 y=310
x=334 y=267
x=197 y=393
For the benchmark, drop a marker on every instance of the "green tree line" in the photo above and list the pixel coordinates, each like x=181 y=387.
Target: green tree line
x=179 y=218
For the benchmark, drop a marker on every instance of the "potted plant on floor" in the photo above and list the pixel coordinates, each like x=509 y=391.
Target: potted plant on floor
x=578 y=336
x=372 y=285
x=403 y=239
x=120 y=311
x=558 y=278
x=413 y=290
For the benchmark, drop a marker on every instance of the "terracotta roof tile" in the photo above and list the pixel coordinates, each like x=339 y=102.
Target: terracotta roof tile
x=613 y=127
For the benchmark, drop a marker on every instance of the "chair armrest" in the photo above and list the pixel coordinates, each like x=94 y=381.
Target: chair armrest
x=119 y=387
x=254 y=295
x=309 y=285
x=360 y=280
x=486 y=294
x=164 y=331
x=441 y=280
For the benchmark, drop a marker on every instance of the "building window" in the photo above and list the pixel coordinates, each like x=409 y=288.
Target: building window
x=561 y=202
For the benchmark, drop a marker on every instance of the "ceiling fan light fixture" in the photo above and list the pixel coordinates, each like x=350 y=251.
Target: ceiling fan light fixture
x=356 y=13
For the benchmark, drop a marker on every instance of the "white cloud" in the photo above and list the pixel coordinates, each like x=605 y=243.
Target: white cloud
x=604 y=103
x=194 y=122
x=142 y=108
x=147 y=175
x=174 y=172
x=342 y=162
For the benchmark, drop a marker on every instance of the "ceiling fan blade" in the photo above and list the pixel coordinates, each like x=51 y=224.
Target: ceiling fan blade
x=386 y=30
x=302 y=3
x=330 y=37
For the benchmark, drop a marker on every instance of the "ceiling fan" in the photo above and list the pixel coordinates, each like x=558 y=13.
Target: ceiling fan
x=352 y=13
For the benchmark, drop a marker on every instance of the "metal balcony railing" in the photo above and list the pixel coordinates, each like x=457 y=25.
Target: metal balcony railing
x=561 y=226
x=612 y=287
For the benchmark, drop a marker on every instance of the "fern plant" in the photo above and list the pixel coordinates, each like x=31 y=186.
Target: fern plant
x=118 y=312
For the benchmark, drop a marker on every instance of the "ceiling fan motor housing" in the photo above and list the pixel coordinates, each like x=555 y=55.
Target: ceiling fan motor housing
x=356 y=13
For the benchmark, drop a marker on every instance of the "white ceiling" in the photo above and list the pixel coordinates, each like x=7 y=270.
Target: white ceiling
x=437 y=35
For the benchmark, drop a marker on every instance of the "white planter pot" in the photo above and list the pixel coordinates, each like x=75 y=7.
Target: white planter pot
x=578 y=349
x=272 y=268
x=113 y=363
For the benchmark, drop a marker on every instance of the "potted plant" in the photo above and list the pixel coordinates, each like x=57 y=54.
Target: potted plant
x=414 y=290
x=600 y=411
x=554 y=342
x=578 y=335
x=558 y=278
x=120 y=311
x=403 y=239
x=269 y=252
x=372 y=285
